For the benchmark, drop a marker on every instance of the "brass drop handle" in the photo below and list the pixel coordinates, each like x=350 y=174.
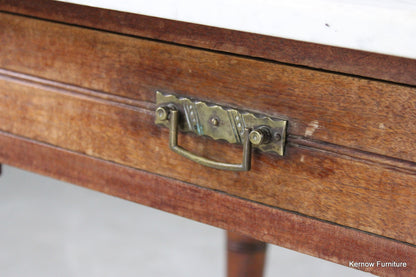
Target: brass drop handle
x=238 y=127
x=173 y=117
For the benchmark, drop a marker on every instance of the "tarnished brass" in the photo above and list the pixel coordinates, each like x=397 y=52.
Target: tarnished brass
x=173 y=144
x=162 y=113
x=259 y=136
x=183 y=114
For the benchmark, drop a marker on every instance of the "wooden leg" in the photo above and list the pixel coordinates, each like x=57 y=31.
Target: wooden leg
x=245 y=256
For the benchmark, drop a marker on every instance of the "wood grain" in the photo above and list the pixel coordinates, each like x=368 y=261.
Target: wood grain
x=85 y=116
x=317 y=183
x=245 y=256
x=357 y=113
x=304 y=234
x=372 y=65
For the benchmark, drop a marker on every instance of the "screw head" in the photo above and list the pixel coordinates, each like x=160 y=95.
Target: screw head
x=277 y=136
x=214 y=121
x=260 y=135
x=256 y=137
x=162 y=113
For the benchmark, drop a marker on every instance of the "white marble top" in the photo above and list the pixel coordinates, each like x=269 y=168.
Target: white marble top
x=382 y=26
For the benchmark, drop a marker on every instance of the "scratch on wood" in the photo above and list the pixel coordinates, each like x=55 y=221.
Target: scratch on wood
x=312 y=126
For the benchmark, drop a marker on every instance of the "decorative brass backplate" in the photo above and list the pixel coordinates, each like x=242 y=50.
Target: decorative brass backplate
x=224 y=123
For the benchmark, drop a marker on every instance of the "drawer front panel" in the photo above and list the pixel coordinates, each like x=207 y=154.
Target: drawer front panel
x=315 y=182
x=355 y=113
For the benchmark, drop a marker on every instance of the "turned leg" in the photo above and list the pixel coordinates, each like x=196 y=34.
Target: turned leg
x=245 y=256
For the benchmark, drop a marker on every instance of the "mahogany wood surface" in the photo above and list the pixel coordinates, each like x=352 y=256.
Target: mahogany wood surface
x=304 y=234
x=245 y=256
x=77 y=103
x=318 y=183
x=360 y=63
x=362 y=114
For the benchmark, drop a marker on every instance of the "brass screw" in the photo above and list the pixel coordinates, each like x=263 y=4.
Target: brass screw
x=277 y=136
x=162 y=113
x=214 y=121
x=256 y=137
x=259 y=136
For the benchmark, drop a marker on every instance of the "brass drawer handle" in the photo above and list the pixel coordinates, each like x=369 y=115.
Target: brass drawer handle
x=173 y=117
x=183 y=114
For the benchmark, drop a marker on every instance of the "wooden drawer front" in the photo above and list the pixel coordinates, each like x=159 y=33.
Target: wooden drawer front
x=349 y=156
x=352 y=112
